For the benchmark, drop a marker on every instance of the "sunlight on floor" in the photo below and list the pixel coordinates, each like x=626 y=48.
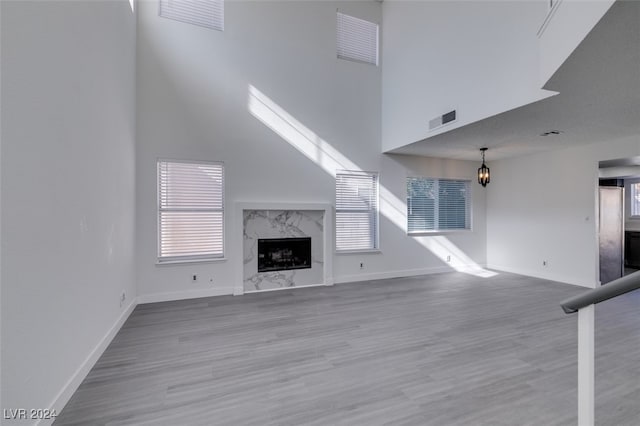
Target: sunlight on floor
x=329 y=159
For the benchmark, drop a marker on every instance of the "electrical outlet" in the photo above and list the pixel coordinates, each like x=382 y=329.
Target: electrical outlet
x=361 y=265
x=194 y=277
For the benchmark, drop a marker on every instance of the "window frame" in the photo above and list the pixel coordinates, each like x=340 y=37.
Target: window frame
x=634 y=207
x=375 y=217
x=167 y=260
x=377 y=38
x=176 y=16
x=435 y=231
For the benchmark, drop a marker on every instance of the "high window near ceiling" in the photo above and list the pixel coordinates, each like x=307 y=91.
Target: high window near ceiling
x=190 y=211
x=204 y=13
x=357 y=39
x=356 y=211
x=438 y=205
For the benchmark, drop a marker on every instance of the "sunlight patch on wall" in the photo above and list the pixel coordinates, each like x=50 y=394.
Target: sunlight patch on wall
x=329 y=159
x=297 y=134
x=396 y=211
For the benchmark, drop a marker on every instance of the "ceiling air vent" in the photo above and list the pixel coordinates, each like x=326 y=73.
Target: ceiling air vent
x=442 y=120
x=551 y=132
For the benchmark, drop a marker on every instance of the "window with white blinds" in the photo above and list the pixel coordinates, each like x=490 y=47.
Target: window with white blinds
x=635 y=199
x=356 y=211
x=190 y=211
x=204 y=13
x=357 y=39
x=438 y=204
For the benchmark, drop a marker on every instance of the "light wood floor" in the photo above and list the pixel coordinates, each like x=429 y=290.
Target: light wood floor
x=446 y=349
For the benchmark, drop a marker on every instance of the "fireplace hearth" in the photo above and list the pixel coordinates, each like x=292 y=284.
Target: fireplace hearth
x=280 y=254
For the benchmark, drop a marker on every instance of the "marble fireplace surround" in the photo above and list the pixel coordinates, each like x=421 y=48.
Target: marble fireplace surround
x=293 y=220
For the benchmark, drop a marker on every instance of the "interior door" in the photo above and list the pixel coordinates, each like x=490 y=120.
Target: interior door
x=611 y=233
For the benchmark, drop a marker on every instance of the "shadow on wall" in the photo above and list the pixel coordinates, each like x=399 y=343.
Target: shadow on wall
x=329 y=159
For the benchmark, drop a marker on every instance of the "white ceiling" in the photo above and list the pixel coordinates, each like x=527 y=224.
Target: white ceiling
x=599 y=100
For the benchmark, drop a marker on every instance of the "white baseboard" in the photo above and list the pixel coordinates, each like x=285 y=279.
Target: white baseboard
x=285 y=288
x=72 y=385
x=391 y=274
x=182 y=295
x=81 y=373
x=543 y=276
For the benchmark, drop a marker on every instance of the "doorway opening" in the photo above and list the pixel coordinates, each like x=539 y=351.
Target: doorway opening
x=619 y=218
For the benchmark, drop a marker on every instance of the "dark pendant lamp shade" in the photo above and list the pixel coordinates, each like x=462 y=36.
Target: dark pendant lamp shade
x=484 y=176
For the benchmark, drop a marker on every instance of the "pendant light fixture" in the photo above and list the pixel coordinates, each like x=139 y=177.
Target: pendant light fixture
x=483 y=172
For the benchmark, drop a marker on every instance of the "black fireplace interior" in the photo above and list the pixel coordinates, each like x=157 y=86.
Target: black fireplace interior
x=278 y=254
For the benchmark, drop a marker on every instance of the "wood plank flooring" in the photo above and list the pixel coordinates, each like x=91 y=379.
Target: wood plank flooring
x=445 y=349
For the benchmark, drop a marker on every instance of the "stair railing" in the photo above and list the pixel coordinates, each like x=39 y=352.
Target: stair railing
x=584 y=305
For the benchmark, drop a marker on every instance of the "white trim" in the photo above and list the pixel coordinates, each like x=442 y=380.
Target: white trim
x=266 y=290
x=547 y=19
x=81 y=373
x=351 y=33
x=191 y=258
x=633 y=204
x=202 y=14
x=361 y=251
x=439 y=231
x=565 y=279
x=392 y=274
x=182 y=295
x=182 y=262
x=586 y=369
x=327 y=232
x=596 y=223
x=281 y=206
x=376 y=236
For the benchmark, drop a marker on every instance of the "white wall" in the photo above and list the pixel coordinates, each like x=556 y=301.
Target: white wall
x=544 y=207
x=193 y=95
x=1 y=327
x=565 y=29
x=479 y=58
x=68 y=126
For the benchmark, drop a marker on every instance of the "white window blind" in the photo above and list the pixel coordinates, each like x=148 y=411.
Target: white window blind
x=357 y=39
x=190 y=210
x=204 y=13
x=635 y=199
x=438 y=204
x=356 y=211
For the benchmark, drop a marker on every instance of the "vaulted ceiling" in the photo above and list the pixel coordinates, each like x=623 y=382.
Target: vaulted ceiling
x=598 y=100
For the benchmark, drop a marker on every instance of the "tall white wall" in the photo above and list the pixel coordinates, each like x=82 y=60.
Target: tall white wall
x=67 y=172
x=194 y=92
x=1 y=327
x=565 y=29
x=479 y=58
x=543 y=207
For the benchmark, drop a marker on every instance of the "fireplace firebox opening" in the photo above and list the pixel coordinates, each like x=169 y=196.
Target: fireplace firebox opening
x=278 y=254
